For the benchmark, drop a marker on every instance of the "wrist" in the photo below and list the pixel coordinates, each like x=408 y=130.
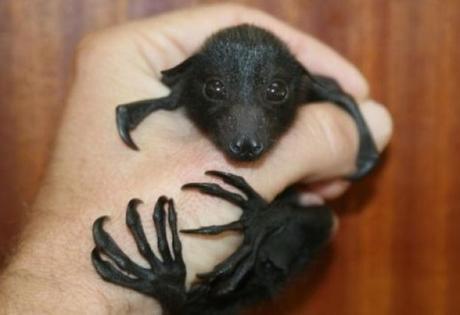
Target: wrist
x=51 y=273
x=26 y=292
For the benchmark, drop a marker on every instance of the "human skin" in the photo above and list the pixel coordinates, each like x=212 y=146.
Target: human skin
x=92 y=173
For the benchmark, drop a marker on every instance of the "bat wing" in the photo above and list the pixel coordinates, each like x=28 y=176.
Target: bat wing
x=129 y=116
x=327 y=89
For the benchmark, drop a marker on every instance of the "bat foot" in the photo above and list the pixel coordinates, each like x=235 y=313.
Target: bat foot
x=252 y=201
x=255 y=224
x=164 y=280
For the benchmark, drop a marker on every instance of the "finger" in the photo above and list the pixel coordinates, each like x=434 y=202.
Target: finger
x=324 y=141
x=329 y=189
x=181 y=33
x=380 y=125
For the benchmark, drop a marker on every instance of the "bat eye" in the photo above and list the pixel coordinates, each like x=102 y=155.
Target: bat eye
x=214 y=89
x=276 y=91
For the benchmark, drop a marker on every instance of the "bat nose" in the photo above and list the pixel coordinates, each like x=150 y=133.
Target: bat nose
x=246 y=149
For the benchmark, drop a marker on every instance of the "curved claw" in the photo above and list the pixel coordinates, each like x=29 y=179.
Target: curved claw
x=124 y=126
x=107 y=270
x=133 y=221
x=129 y=116
x=365 y=165
x=165 y=280
x=109 y=273
x=215 y=229
x=105 y=243
x=253 y=197
x=217 y=191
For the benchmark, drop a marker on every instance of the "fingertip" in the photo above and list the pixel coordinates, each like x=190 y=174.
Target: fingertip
x=379 y=121
x=333 y=134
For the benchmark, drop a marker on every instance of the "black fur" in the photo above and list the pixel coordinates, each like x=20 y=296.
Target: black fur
x=244 y=63
x=279 y=240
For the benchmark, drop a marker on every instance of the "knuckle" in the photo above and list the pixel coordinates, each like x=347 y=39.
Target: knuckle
x=90 y=43
x=93 y=47
x=337 y=130
x=340 y=131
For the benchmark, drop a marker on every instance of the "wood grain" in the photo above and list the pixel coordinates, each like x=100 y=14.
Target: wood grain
x=398 y=249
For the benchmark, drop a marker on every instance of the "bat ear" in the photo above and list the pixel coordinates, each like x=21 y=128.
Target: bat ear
x=173 y=75
x=307 y=75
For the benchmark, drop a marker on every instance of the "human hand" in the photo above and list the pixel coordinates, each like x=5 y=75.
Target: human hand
x=92 y=173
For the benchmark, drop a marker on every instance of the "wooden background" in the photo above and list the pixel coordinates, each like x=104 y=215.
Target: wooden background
x=398 y=250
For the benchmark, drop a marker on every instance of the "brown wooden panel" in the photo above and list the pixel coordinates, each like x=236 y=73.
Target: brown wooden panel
x=397 y=251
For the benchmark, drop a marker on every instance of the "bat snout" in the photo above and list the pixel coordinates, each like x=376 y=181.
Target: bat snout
x=245 y=149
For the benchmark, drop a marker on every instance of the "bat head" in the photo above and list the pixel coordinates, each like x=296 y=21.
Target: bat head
x=242 y=88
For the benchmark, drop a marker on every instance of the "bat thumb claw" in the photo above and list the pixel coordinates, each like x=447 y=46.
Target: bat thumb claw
x=123 y=127
x=365 y=167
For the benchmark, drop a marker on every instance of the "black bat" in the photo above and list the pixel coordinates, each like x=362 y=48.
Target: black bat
x=242 y=88
x=280 y=239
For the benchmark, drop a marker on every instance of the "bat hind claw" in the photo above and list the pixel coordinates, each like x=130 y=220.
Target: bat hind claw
x=165 y=279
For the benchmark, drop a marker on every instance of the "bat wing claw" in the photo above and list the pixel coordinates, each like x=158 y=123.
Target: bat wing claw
x=129 y=116
x=365 y=165
x=124 y=126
